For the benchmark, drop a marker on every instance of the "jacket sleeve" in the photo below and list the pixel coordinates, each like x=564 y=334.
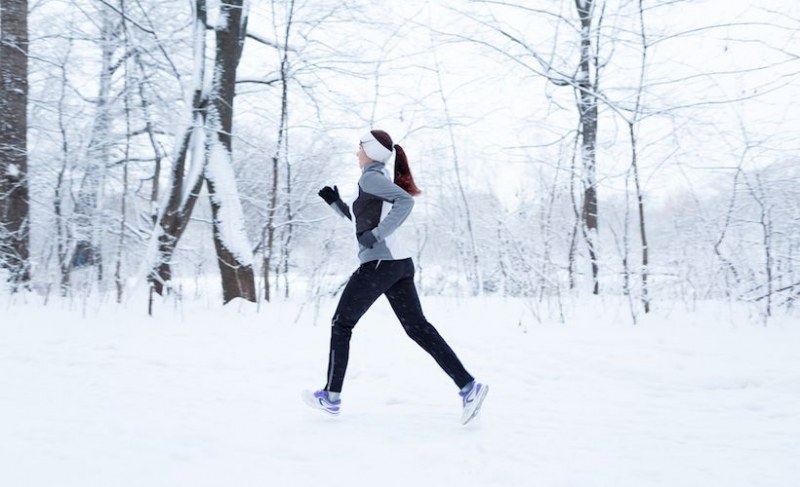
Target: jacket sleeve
x=378 y=185
x=342 y=209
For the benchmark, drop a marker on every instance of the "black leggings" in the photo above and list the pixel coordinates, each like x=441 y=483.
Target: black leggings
x=395 y=279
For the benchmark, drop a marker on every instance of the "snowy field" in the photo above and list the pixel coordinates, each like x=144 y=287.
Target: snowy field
x=202 y=396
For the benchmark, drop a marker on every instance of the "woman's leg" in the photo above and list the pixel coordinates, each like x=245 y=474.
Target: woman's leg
x=405 y=302
x=365 y=286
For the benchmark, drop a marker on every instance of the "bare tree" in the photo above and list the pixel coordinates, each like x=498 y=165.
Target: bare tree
x=632 y=129
x=587 y=81
x=126 y=94
x=87 y=226
x=63 y=229
x=281 y=147
x=14 y=204
x=212 y=161
x=473 y=260
x=584 y=81
x=185 y=177
x=234 y=254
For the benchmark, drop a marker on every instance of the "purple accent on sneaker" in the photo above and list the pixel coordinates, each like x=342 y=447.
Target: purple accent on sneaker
x=324 y=402
x=471 y=398
x=472 y=390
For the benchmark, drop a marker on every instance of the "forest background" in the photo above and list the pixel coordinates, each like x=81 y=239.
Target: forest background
x=642 y=149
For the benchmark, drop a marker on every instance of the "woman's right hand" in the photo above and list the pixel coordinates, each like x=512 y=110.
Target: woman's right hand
x=330 y=195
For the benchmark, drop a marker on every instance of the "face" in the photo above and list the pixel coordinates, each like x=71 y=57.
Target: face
x=363 y=158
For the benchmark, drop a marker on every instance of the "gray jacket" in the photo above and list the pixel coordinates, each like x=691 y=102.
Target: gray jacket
x=381 y=208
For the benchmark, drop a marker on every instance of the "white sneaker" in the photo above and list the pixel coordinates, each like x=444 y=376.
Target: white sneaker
x=321 y=401
x=472 y=400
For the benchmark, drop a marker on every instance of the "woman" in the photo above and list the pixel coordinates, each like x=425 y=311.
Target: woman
x=386 y=268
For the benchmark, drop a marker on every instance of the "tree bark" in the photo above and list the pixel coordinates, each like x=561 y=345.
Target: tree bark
x=587 y=108
x=635 y=165
x=180 y=203
x=14 y=203
x=268 y=235
x=234 y=255
x=211 y=162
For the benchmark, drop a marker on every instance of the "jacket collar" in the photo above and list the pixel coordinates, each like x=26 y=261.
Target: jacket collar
x=373 y=166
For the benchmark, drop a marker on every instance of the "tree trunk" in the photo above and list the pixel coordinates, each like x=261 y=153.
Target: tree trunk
x=211 y=163
x=642 y=227
x=118 y=280
x=234 y=254
x=175 y=216
x=635 y=165
x=63 y=235
x=148 y=127
x=289 y=230
x=587 y=108
x=180 y=203
x=87 y=251
x=268 y=235
x=14 y=204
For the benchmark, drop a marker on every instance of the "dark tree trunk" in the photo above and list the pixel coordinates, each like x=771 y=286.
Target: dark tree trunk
x=215 y=115
x=14 y=205
x=175 y=216
x=236 y=270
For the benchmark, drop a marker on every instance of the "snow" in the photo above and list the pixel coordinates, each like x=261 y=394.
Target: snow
x=13 y=171
x=222 y=19
x=199 y=54
x=198 y=158
x=94 y=395
x=230 y=218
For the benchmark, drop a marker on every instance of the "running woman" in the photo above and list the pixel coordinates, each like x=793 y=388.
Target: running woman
x=383 y=204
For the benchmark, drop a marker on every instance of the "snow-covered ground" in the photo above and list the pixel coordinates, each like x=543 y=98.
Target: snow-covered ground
x=202 y=396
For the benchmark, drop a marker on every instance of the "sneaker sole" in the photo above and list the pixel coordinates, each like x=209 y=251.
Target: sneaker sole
x=313 y=403
x=478 y=404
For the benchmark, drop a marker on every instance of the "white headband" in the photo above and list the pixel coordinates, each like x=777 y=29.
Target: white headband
x=374 y=149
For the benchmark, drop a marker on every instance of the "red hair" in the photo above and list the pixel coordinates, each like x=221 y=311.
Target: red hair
x=402 y=171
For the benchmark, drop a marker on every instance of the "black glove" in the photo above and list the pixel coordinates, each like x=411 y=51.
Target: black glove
x=330 y=195
x=367 y=239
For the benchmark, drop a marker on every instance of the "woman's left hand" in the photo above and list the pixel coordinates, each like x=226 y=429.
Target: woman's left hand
x=367 y=239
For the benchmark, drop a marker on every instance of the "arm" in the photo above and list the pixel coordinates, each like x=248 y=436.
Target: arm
x=331 y=196
x=378 y=185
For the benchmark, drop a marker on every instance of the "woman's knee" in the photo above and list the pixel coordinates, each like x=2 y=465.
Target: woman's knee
x=418 y=330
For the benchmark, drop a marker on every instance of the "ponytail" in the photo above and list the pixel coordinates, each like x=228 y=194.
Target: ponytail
x=402 y=173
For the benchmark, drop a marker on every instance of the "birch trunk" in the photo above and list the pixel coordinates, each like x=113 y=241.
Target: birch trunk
x=587 y=108
x=635 y=165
